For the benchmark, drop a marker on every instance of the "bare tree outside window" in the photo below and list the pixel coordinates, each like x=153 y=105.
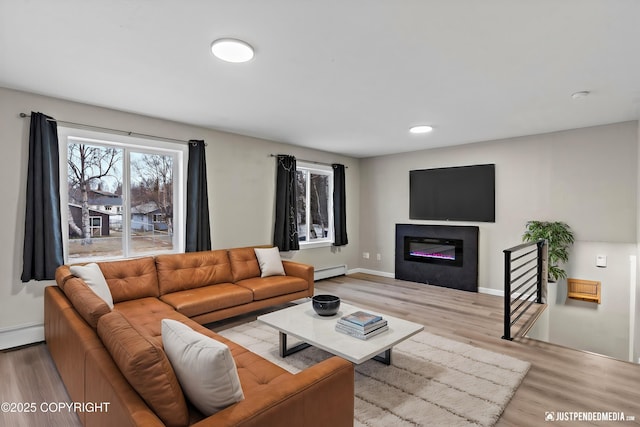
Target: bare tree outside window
x=152 y=197
x=301 y=204
x=88 y=167
x=319 y=203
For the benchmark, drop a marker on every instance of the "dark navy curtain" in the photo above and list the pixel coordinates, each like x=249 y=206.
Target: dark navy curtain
x=198 y=231
x=285 y=230
x=42 y=251
x=339 y=206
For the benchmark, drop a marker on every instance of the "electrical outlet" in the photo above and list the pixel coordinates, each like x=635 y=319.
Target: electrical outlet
x=365 y=255
x=379 y=257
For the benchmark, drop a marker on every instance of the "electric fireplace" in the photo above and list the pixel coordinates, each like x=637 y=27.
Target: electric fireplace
x=433 y=250
x=441 y=255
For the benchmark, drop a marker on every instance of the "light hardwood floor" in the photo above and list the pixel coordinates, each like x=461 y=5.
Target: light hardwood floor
x=560 y=379
x=29 y=382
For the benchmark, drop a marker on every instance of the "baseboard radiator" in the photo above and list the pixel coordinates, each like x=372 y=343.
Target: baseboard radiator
x=326 y=272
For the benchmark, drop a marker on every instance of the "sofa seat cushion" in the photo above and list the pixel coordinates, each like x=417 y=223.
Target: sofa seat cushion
x=254 y=371
x=194 y=302
x=146 y=367
x=145 y=315
x=178 y=272
x=267 y=287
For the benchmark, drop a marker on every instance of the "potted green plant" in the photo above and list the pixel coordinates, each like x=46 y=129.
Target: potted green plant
x=559 y=237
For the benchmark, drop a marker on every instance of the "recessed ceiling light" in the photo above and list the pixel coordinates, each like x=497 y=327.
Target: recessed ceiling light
x=580 y=95
x=232 y=50
x=421 y=129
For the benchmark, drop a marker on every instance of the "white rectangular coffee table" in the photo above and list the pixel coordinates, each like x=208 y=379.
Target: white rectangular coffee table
x=302 y=322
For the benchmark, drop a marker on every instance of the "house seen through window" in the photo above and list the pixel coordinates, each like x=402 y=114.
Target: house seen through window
x=315 y=204
x=123 y=195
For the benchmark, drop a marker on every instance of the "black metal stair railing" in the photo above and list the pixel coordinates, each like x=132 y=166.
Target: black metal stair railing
x=524 y=277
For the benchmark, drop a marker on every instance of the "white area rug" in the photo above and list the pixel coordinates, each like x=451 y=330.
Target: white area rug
x=432 y=381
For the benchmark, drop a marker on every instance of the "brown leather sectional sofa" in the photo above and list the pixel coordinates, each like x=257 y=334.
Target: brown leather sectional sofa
x=116 y=356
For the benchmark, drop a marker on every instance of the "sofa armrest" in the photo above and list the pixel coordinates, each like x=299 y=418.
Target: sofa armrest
x=126 y=408
x=68 y=339
x=321 y=395
x=303 y=271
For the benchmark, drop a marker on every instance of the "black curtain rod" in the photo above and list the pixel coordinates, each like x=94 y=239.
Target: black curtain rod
x=125 y=132
x=308 y=161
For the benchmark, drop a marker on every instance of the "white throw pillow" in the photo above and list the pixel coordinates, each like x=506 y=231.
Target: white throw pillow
x=204 y=367
x=92 y=276
x=270 y=262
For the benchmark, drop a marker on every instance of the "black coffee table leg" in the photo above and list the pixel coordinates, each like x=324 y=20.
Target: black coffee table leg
x=284 y=351
x=384 y=357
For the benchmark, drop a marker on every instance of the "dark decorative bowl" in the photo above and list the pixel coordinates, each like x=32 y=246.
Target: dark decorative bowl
x=326 y=305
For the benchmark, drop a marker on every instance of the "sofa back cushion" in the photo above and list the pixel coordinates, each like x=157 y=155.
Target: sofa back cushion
x=63 y=273
x=244 y=264
x=146 y=367
x=89 y=305
x=93 y=277
x=179 y=272
x=131 y=279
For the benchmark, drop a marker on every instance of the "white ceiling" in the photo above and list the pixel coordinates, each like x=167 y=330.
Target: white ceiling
x=345 y=76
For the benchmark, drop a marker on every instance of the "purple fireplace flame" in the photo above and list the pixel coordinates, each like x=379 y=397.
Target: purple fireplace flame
x=444 y=253
x=425 y=249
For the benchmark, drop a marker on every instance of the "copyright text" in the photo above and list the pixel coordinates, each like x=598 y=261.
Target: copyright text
x=54 y=407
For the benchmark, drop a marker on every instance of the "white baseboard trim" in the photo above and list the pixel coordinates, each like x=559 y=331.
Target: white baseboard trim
x=16 y=336
x=491 y=291
x=374 y=272
x=327 y=272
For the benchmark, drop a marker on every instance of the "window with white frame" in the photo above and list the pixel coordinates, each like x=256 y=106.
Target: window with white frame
x=137 y=184
x=315 y=204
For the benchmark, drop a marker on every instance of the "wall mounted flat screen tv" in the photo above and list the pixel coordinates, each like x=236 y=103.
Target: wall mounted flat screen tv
x=464 y=193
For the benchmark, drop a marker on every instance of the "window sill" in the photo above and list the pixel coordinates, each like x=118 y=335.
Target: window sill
x=96 y=259
x=312 y=245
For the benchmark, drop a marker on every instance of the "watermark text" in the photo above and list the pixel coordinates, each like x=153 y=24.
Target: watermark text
x=587 y=416
x=54 y=407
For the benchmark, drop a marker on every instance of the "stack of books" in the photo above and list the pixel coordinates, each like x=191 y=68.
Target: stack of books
x=362 y=325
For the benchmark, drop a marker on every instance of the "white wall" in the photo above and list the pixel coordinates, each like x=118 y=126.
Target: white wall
x=601 y=328
x=241 y=178
x=585 y=177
